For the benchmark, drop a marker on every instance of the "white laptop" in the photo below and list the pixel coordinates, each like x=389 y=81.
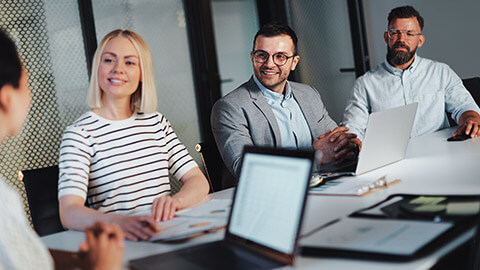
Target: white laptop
x=385 y=142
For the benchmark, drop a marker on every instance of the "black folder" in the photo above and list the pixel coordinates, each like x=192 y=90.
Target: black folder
x=404 y=207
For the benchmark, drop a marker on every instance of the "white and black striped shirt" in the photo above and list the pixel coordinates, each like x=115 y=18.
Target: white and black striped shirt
x=121 y=166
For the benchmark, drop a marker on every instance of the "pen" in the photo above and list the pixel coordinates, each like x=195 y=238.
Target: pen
x=201 y=224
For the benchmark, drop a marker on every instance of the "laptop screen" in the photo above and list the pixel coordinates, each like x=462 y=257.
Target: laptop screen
x=269 y=199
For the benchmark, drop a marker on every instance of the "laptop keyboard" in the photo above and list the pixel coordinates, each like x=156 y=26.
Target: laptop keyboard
x=215 y=255
x=227 y=256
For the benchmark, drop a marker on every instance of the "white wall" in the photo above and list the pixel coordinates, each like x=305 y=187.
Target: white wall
x=452 y=31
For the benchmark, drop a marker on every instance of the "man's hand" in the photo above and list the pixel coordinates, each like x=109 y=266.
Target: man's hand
x=164 y=208
x=103 y=247
x=336 y=145
x=469 y=124
x=136 y=228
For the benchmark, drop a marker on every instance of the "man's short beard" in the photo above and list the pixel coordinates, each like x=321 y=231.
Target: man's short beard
x=398 y=58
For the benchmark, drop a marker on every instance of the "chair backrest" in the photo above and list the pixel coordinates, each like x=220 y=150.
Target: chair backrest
x=201 y=148
x=473 y=86
x=218 y=175
x=41 y=186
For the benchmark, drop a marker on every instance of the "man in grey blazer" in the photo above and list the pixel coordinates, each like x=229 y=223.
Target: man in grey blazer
x=269 y=111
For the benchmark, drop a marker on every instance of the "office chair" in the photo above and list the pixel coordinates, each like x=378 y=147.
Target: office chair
x=201 y=148
x=41 y=186
x=219 y=177
x=473 y=86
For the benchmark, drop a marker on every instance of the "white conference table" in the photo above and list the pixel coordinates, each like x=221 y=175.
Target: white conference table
x=432 y=166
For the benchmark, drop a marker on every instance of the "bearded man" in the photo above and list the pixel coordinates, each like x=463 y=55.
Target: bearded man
x=405 y=78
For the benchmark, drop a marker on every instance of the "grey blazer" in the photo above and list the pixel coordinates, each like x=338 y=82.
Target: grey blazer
x=243 y=117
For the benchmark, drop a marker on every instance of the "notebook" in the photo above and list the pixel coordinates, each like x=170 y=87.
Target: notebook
x=385 y=142
x=265 y=219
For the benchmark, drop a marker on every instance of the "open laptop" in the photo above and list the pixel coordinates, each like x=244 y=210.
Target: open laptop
x=265 y=219
x=385 y=142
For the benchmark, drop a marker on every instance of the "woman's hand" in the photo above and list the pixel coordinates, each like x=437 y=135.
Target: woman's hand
x=164 y=208
x=136 y=228
x=195 y=188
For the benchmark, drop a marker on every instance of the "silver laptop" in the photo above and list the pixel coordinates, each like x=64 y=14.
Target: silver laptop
x=264 y=222
x=385 y=142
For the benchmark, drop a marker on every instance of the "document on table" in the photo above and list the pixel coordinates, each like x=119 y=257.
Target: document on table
x=191 y=222
x=215 y=208
x=181 y=228
x=397 y=237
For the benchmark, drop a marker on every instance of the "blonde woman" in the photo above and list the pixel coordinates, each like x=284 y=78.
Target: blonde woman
x=116 y=158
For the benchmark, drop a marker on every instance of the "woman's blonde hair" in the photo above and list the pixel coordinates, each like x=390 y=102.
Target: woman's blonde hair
x=145 y=97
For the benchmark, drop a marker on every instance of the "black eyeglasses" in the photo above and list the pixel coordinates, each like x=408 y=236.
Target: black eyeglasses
x=395 y=34
x=279 y=59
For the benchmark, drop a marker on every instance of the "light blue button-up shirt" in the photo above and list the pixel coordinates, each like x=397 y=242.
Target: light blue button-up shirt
x=434 y=85
x=294 y=130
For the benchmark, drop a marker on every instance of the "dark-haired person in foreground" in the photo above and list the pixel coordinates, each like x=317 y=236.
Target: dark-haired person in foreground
x=20 y=246
x=268 y=110
x=405 y=78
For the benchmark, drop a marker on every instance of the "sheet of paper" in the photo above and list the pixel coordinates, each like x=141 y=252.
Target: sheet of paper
x=184 y=227
x=399 y=237
x=215 y=208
